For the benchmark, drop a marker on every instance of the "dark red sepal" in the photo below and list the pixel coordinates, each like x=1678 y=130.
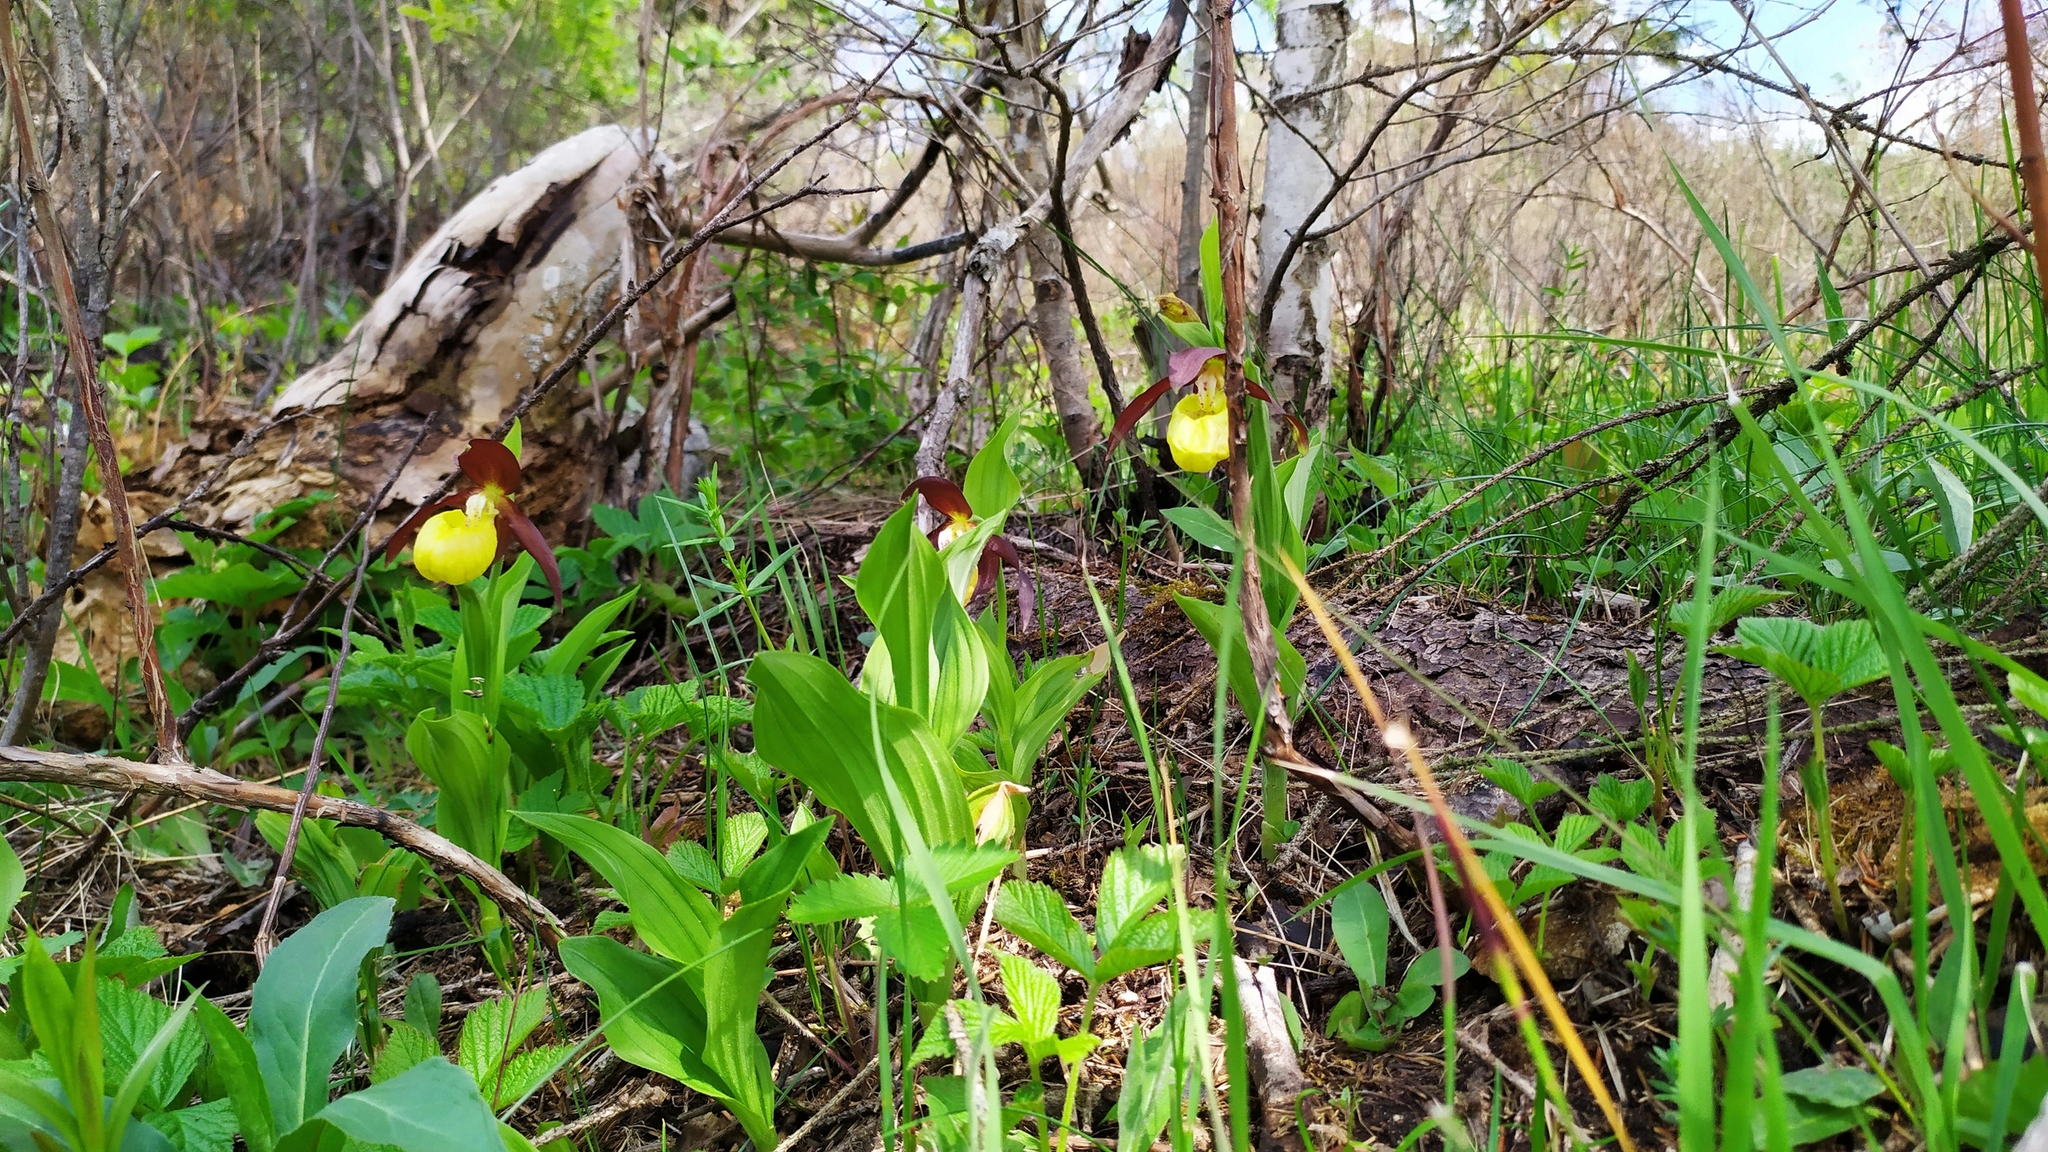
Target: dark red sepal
x=411 y=526
x=1135 y=411
x=1001 y=551
x=487 y=462
x=943 y=495
x=1257 y=391
x=1183 y=366
x=523 y=530
x=1300 y=431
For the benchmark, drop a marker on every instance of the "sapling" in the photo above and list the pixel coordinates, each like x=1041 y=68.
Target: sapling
x=1819 y=662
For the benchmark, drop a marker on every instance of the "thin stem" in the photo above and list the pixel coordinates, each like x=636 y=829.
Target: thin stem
x=1816 y=780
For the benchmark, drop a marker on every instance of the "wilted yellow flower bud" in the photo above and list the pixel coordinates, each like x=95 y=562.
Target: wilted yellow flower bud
x=1176 y=309
x=456 y=546
x=1199 y=431
x=996 y=821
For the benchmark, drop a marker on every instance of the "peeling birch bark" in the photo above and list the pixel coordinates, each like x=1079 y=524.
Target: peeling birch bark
x=1306 y=121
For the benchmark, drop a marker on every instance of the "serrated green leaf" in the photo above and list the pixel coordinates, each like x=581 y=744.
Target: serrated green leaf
x=129 y=1022
x=1037 y=915
x=1729 y=605
x=851 y=897
x=1153 y=940
x=1817 y=662
x=404 y=1046
x=744 y=834
x=525 y=1072
x=1034 y=998
x=1133 y=881
x=208 y=1127
x=495 y=1029
x=555 y=699
x=695 y=863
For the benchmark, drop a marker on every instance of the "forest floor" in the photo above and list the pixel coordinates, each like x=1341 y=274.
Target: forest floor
x=1473 y=678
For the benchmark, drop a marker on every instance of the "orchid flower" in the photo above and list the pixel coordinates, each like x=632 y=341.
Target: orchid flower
x=455 y=540
x=947 y=500
x=1198 y=432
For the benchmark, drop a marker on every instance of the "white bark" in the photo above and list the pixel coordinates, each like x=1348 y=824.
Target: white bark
x=1306 y=122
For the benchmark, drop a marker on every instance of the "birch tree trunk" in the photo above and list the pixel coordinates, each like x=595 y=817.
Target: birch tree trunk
x=1052 y=301
x=1306 y=121
x=1189 y=254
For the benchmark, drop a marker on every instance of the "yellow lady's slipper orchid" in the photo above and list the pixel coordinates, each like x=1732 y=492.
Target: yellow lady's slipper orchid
x=1199 y=431
x=457 y=546
x=454 y=540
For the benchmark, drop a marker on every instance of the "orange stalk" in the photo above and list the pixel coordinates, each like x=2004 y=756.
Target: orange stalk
x=1399 y=738
x=2026 y=117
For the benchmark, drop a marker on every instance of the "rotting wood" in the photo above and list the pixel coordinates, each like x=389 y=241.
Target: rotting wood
x=1269 y=1049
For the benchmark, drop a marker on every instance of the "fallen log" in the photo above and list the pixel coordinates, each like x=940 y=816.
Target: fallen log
x=83 y=770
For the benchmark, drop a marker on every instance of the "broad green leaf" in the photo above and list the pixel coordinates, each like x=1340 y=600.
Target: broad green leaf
x=302 y=1010
x=1133 y=881
x=1038 y=706
x=1204 y=526
x=1211 y=620
x=1839 y=1087
x=775 y=872
x=423 y=1003
x=734 y=977
x=2029 y=690
x=1358 y=919
x=991 y=486
x=13 y=880
x=813 y=725
x=652 y=1008
x=1034 y=997
x=674 y=918
x=431 y=1107
x=472 y=771
x=960 y=683
x=1958 y=507
x=900 y=586
x=1428 y=969
x=1212 y=276
x=235 y=1065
